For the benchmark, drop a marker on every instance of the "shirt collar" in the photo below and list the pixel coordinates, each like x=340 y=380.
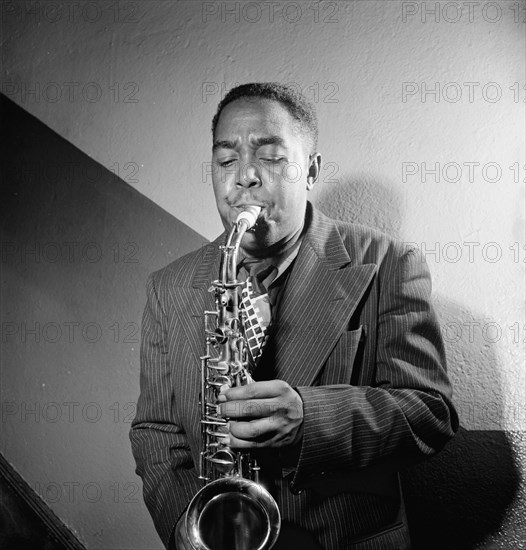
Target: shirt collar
x=280 y=262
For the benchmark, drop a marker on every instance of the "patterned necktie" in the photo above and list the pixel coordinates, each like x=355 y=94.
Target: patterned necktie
x=256 y=308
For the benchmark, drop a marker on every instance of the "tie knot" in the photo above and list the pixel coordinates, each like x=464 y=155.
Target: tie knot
x=253 y=265
x=259 y=271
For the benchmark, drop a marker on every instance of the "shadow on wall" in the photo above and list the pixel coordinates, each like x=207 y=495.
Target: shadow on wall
x=363 y=200
x=462 y=498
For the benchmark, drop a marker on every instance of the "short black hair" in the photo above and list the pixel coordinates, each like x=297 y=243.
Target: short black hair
x=299 y=108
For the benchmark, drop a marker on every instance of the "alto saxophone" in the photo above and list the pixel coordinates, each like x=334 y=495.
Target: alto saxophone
x=232 y=511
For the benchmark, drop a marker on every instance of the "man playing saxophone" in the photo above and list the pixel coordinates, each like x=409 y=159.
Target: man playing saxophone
x=350 y=380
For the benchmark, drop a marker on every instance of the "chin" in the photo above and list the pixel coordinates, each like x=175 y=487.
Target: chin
x=253 y=242
x=249 y=241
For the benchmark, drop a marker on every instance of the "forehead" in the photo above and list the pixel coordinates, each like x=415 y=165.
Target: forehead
x=255 y=116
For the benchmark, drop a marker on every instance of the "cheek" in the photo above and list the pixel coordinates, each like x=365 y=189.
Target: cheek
x=220 y=186
x=217 y=194
x=292 y=173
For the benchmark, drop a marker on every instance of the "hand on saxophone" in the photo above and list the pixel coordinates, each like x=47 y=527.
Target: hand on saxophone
x=262 y=414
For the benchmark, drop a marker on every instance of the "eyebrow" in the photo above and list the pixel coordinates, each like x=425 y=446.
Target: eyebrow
x=223 y=144
x=268 y=140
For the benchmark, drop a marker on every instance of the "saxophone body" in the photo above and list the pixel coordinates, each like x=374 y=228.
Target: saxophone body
x=232 y=511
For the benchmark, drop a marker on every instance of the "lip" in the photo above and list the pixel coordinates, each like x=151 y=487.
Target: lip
x=246 y=205
x=240 y=207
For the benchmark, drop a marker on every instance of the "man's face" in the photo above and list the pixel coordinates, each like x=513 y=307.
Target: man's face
x=260 y=158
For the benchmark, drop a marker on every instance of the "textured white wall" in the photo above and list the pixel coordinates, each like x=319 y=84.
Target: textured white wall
x=160 y=68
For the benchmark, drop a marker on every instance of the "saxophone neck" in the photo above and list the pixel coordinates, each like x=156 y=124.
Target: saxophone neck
x=244 y=221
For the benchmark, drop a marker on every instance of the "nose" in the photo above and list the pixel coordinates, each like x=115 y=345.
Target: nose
x=248 y=175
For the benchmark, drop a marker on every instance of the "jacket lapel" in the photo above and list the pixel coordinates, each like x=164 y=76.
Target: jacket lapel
x=199 y=300
x=322 y=292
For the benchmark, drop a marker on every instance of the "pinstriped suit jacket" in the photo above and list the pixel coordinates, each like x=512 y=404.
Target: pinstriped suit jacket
x=357 y=337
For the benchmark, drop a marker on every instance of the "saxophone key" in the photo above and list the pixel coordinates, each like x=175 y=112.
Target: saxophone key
x=223 y=461
x=219 y=381
x=215 y=422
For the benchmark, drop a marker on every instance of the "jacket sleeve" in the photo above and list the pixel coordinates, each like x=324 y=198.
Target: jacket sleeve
x=158 y=441
x=406 y=413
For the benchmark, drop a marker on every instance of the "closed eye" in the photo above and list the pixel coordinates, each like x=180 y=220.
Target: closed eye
x=274 y=159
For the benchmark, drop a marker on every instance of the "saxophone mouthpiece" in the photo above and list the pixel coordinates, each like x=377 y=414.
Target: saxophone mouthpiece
x=249 y=216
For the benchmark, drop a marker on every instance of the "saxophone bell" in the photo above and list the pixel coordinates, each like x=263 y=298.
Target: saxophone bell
x=233 y=513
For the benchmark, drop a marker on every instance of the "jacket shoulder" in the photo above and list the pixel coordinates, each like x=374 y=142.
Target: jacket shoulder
x=370 y=245
x=181 y=272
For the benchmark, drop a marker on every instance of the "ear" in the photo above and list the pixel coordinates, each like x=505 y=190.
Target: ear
x=314 y=170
